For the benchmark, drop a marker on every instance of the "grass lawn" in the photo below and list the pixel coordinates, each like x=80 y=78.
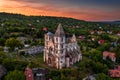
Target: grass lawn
x=36 y=59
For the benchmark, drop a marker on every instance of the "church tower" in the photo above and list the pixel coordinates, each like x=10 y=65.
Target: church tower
x=73 y=39
x=58 y=52
x=59 y=42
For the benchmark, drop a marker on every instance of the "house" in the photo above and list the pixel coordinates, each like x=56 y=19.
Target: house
x=39 y=73
x=81 y=37
x=35 y=73
x=29 y=74
x=118 y=34
x=101 y=41
x=59 y=51
x=100 y=32
x=109 y=32
x=110 y=55
x=92 y=32
x=115 y=72
x=33 y=50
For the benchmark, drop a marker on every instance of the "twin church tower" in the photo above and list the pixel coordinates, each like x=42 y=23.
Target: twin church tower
x=59 y=51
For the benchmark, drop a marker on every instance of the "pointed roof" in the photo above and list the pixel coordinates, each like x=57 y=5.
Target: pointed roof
x=73 y=38
x=59 y=32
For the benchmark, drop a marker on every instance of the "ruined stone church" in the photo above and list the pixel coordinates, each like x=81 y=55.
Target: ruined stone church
x=59 y=51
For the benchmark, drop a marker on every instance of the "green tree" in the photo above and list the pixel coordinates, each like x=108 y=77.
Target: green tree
x=15 y=75
x=1 y=48
x=41 y=42
x=12 y=43
x=2 y=41
x=102 y=76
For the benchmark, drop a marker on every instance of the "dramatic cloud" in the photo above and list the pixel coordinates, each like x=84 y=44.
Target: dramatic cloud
x=80 y=9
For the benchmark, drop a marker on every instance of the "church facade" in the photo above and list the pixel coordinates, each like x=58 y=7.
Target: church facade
x=59 y=51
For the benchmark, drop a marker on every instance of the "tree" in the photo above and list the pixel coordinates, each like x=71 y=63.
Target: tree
x=15 y=75
x=8 y=64
x=41 y=42
x=12 y=43
x=2 y=41
x=1 y=48
x=102 y=76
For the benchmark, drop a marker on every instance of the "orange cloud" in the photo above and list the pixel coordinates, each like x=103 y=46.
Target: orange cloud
x=13 y=6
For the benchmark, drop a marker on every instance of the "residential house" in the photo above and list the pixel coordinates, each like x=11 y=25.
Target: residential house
x=35 y=73
x=110 y=55
x=115 y=72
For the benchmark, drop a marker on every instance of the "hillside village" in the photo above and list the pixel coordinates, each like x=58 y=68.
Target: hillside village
x=22 y=43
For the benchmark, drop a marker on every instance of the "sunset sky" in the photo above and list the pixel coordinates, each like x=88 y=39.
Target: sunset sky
x=92 y=10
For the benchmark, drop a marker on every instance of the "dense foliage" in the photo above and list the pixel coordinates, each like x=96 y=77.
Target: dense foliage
x=15 y=75
x=13 y=27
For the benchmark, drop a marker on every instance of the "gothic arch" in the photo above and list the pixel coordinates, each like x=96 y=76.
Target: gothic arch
x=51 y=60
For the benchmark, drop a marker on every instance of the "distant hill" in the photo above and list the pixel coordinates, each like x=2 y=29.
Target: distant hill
x=20 y=22
x=13 y=15
x=116 y=22
x=110 y=22
x=42 y=20
x=33 y=25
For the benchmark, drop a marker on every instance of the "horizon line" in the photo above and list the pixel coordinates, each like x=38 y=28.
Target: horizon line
x=61 y=17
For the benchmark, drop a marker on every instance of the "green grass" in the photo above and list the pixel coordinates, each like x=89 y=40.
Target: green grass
x=37 y=59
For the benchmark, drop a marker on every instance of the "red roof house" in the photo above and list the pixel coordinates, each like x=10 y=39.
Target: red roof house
x=101 y=41
x=35 y=73
x=115 y=72
x=29 y=74
x=111 y=55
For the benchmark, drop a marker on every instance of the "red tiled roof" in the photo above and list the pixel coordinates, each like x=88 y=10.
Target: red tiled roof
x=109 y=54
x=101 y=41
x=105 y=53
x=29 y=74
x=44 y=29
x=80 y=37
x=118 y=67
x=112 y=55
x=114 y=73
